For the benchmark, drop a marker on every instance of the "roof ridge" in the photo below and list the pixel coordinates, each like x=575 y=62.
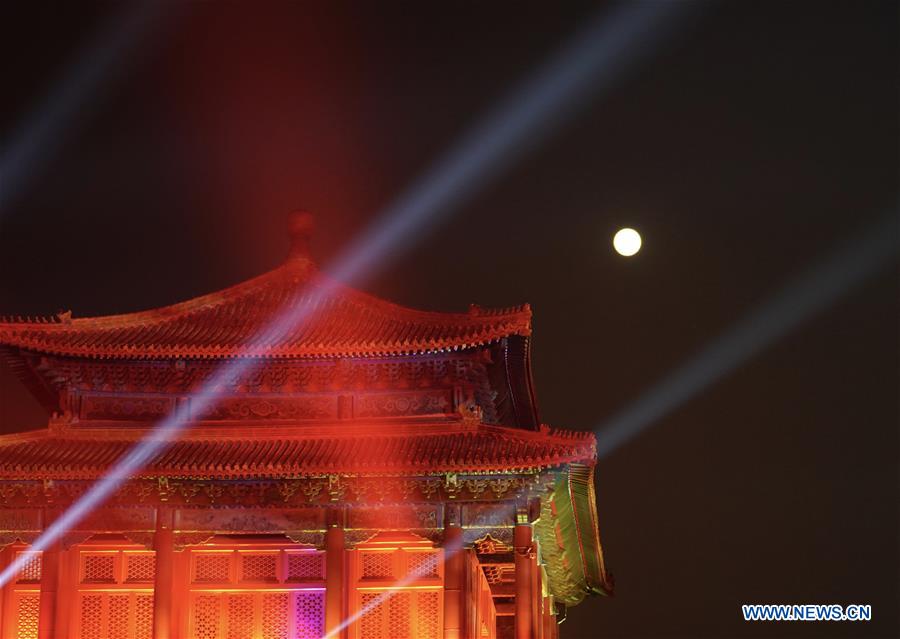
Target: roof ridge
x=346 y=322
x=240 y=289
x=201 y=302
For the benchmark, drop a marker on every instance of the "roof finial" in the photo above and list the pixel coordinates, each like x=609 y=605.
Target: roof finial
x=300 y=229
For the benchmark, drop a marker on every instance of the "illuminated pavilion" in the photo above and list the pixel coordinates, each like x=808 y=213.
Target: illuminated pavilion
x=371 y=449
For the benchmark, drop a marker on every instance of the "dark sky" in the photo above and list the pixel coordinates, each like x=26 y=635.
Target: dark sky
x=756 y=141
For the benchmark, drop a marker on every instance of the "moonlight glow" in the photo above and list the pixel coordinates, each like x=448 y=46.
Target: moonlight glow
x=627 y=242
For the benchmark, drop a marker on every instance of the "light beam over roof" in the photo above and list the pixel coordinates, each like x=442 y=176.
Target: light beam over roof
x=801 y=298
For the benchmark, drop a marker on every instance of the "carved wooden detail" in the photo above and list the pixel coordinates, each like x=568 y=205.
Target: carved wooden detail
x=117 y=407
x=279 y=493
x=250 y=521
x=404 y=404
x=268 y=408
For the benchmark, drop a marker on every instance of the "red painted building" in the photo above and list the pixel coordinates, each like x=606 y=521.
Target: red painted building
x=374 y=463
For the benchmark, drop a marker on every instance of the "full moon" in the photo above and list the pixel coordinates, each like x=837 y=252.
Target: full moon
x=627 y=242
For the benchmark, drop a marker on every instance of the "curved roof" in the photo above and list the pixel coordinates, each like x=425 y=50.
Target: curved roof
x=291 y=311
x=75 y=453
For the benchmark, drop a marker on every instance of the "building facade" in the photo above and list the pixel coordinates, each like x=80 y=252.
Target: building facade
x=372 y=471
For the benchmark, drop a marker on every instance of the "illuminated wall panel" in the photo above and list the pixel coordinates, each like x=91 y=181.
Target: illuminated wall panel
x=398 y=589
x=114 y=593
x=264 y=592
x=27 y=607
x=21 y=597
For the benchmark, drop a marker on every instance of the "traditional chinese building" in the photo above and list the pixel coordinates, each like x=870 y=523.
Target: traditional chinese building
x=370 y=449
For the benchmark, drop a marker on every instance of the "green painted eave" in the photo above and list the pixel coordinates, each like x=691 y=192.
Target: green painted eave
x=567 y=534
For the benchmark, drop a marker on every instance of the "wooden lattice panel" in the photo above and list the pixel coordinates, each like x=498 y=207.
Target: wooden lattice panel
x=276 y=611
x=428 y=615
x=371 y=624
x=399 y=615
x=118 y=617
x=143 y=616
x=305 y=566
x=117 y=614
x=423 y=564
x=240 y=616
x=262 y=592
x=31 y=568
x=309 y=615
x=91 y=617
x=98 y=569
x=140 y=567
x=259 y=568
x=206 y=617
x=210 y=568
x=377 y=565
x=28 y=608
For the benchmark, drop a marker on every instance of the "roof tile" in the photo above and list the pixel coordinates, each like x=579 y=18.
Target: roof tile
x=234 y=322
x=281 y=451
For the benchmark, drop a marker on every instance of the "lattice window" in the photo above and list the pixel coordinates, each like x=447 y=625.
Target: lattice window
x=211 y=568
x=275 y=615
x=428 y=619
x=240 y=617
x=377 y=565
x=99 y=569
x=31 y=569
x=371 y=623
x=206 y=617
x=259 y=567
x=118 y=617
x=423 y=564
x=399 y=615
x=27 y=613
x=140 y=568
x=91 y=617
x=143 y=616
x=305 y=566
x=309 y=612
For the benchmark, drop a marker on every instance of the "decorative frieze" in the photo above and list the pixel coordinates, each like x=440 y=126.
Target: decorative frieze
x=249 y=521
x=118 y=407
x=408 y=404
x=280 y=493
x=315 y=407
x=269 y=376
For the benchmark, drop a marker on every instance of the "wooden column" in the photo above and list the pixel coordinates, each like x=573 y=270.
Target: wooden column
x=454 y=575
x=68 y=590
x=335 y=578
x=163 y=581
x=524 y=560
x=50 y=559
x=6 y=555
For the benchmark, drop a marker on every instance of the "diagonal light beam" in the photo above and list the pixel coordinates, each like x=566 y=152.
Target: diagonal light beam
x=385 y=595
x=36 y=137
x=599 y=55
x=809 y=293
x=590 y=64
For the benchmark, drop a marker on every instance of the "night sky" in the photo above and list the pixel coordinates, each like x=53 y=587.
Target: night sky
x=754 y=142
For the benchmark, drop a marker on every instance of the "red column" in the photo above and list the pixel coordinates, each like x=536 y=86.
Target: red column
x=50 y=559
x=334 y=576
x=65 y=600
x=163 y=581
x=524 y=559
x=5 y=557
x=454 y=580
